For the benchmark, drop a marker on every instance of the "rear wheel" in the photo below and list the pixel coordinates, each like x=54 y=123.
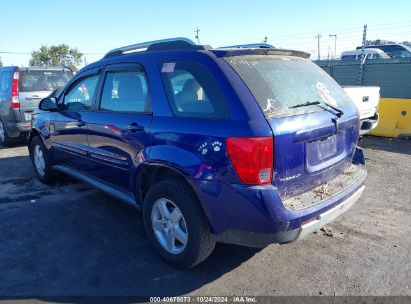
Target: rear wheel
x=176 y=225
x=5 y=139
x=41 y=161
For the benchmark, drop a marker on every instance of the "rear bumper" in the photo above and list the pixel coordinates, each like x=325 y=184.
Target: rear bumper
x=256 y=216
x=368 y=124
x=14 y=129
x=261 y=240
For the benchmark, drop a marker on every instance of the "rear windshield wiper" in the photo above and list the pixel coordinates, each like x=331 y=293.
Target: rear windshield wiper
x=312 y=103
x=306 y=104
x=340 y=112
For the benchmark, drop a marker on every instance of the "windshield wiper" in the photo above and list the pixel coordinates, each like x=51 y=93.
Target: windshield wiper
x=340 y=112
x=312 y=103
x=306 y=104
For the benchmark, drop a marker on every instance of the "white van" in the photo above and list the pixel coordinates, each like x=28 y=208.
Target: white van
x=370 y=53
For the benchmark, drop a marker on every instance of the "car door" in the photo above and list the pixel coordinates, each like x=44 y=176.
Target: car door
x=68 y=127
x=119 y=128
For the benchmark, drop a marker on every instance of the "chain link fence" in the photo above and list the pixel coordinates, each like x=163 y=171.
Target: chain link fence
x=393 y=76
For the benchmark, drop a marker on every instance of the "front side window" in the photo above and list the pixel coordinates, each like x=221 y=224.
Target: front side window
x=192 y=91
x=80 y=96
x=125 y=91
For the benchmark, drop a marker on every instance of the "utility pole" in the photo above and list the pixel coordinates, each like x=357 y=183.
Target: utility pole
x=318 y=48
x=364 y=38
x=197 y=31
x=335 y=44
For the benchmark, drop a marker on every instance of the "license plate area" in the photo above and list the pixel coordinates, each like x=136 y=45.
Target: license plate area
x=327 y=147
x=27 y=115
x=323 y=153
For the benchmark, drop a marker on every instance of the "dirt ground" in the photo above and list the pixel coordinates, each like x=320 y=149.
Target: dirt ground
x=72 y=240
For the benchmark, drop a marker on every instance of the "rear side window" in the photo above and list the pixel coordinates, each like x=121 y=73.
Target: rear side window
x=192 y=91
x=43 y=80
x=5 y=81
x=125 y=91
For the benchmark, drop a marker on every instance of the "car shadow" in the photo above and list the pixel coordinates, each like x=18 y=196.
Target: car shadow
x=402 y=146
x=75 y=241
x=19 y=143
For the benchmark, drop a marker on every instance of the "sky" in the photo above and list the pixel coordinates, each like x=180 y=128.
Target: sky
x=95 y=27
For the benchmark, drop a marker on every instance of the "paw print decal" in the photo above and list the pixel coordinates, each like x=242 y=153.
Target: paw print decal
x=216 y=146
x=203 y=149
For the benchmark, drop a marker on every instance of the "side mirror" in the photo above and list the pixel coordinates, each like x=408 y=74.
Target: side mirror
x=48 y=104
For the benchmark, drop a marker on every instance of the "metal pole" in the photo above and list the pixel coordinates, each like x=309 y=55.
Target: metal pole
x=318 y=48
x=197 y=31
x=335 y=44
x=364 y=37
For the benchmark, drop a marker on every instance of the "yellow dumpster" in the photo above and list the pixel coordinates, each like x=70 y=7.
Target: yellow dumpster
x=394 y=118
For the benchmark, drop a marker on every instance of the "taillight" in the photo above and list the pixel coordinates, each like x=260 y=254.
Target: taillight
x=14 y=99
x=252 y=158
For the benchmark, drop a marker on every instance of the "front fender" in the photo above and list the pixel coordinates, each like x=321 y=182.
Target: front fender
x=41 y=125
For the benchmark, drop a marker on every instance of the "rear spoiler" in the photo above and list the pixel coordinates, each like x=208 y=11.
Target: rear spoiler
x=249 y=46
x=223 y=52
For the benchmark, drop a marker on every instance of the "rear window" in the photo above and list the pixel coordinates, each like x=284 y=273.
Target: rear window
x=279 y=83
x=349 y=57
x=43 y=80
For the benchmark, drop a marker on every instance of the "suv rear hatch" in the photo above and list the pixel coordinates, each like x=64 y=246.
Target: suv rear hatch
x=314 y=123
x=36 y=84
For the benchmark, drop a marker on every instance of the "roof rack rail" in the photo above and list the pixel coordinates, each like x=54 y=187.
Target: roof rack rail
x=145 y=45
x=249 y=46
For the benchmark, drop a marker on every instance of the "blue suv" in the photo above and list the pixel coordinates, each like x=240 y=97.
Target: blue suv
x=247 y=146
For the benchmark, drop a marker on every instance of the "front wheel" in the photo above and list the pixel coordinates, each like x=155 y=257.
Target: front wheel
x=41 y=161
x=176 y=225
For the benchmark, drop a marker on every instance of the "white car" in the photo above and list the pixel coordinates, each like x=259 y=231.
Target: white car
x=370 y=54
x=366 y=99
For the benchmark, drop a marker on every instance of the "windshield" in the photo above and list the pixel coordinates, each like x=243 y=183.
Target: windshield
x=396 y=51
x=43 y=80
x=279 y=84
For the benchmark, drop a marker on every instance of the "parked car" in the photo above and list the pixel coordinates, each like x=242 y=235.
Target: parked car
x=369 y=54
x=247 y=146
x=367 y=99
x=397 y=50
x=21 y=90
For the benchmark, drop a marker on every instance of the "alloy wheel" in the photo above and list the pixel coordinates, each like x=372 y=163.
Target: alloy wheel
x=39 y=160
x=2 y=132
x=169 y=226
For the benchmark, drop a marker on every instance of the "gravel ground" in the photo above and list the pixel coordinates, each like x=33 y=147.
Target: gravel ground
x=72 y=240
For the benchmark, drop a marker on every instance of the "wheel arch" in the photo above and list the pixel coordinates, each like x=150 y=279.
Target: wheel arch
x=153 y=173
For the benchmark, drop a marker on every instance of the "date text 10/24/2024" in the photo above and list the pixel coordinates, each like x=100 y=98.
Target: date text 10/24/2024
x=203 y=299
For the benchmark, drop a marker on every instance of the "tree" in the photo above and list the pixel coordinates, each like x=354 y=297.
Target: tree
x=56 y=55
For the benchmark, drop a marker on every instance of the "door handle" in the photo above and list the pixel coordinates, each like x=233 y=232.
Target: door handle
x=80 y=123
x=134 y=127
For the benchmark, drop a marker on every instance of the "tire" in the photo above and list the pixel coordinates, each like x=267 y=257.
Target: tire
x=5 y=139
x=40 y=159
x=199 y=244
